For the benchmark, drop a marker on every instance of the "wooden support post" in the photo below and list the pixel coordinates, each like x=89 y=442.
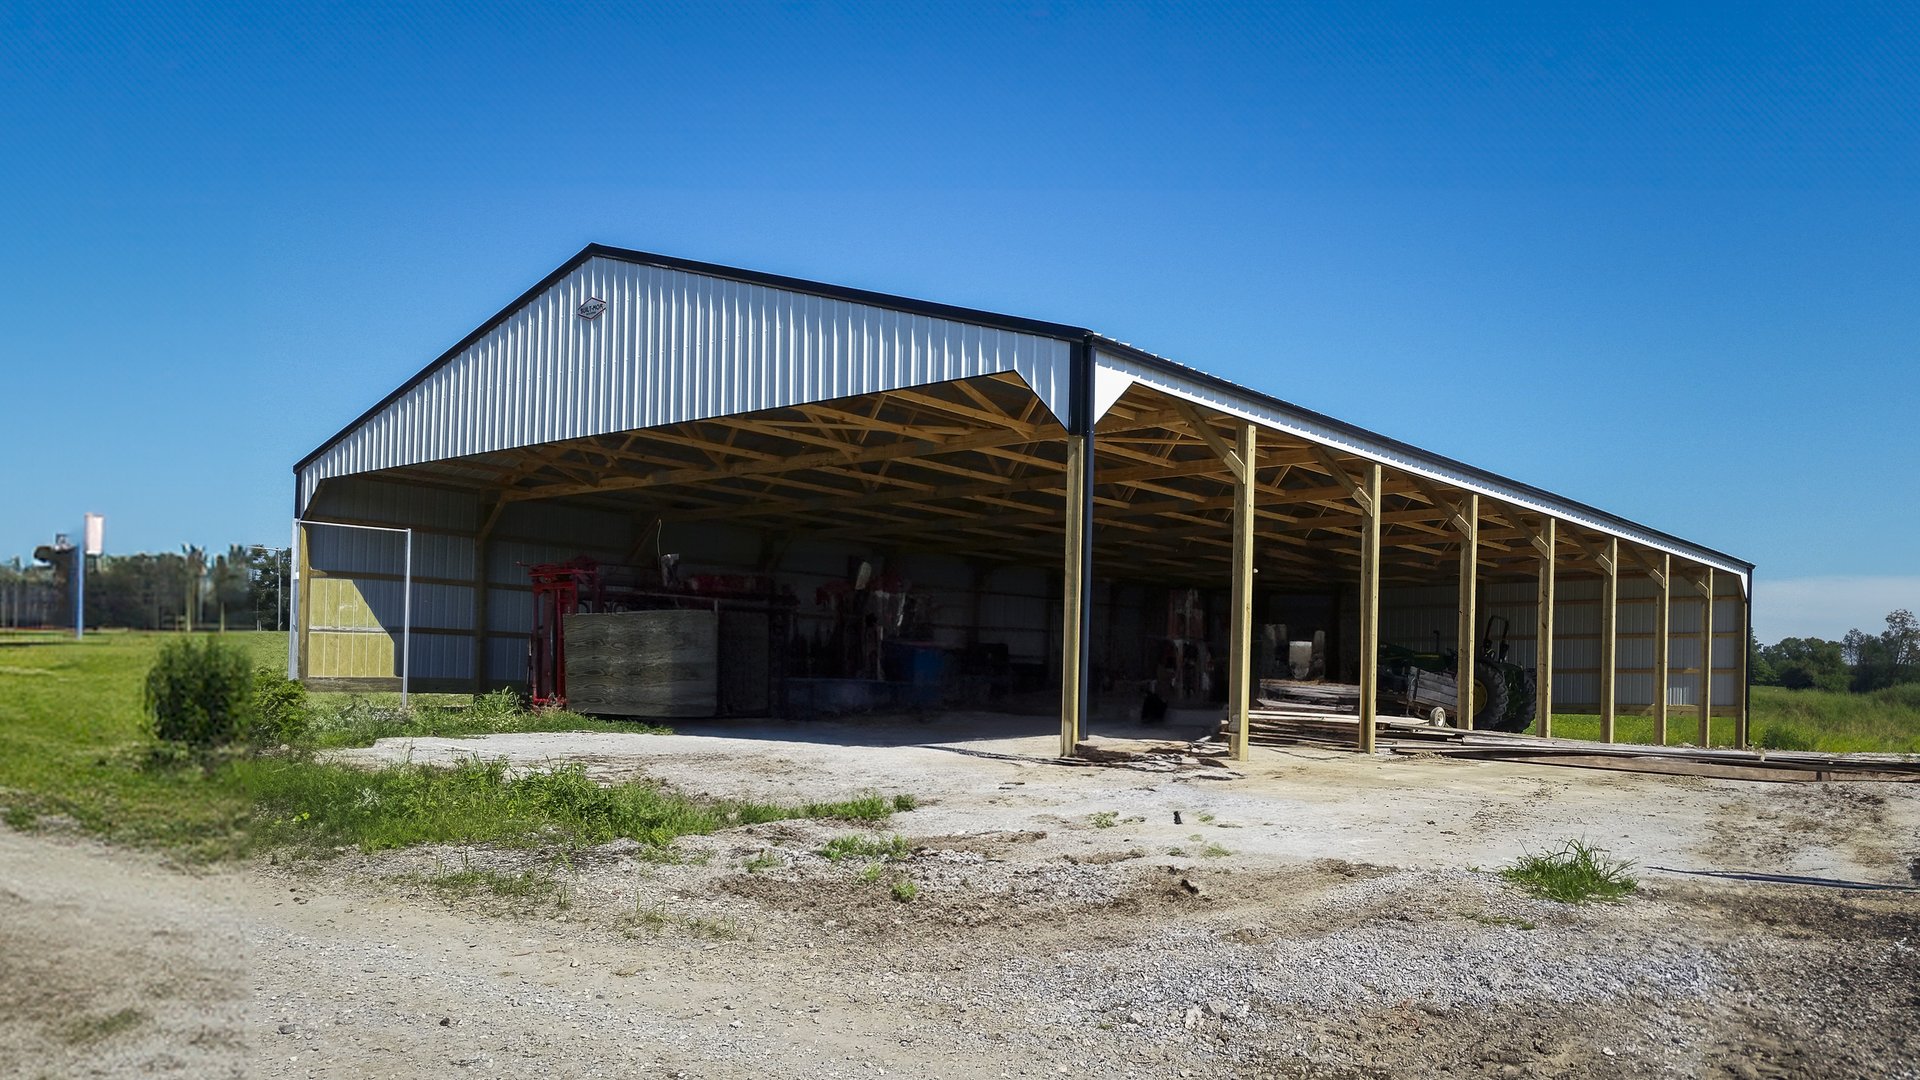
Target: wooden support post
x=1240 y=637
x=1662 y=646
x=1466 y=639
x=1706 y=658
x=1543 y=632
x=1073 y=597
x=1742 y=683
x=1609 y=637
x=305 y=597
x=1369 y=606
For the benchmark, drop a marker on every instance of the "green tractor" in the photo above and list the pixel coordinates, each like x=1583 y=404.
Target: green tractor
x=1426 y=683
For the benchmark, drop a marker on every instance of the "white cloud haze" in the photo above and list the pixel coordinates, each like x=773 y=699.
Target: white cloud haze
x=1828 y=607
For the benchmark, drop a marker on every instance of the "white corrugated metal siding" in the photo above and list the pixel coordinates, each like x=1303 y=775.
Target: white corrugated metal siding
x=672 y=346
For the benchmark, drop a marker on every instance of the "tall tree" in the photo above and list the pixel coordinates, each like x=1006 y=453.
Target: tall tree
x=196 y=572
x=228 y=581
x=1760 y=668
x=1888 y=658
x=1804 y=663
x=267 y=585
x=1902 y=637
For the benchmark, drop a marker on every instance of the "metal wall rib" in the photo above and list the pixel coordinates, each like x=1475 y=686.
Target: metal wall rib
x=671 y=346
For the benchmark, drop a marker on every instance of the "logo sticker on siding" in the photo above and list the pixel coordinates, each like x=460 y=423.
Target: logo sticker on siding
x=591 y=307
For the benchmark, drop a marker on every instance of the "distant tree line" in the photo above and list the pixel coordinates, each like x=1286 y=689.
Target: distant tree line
x=242 y=588
x=1860 y=662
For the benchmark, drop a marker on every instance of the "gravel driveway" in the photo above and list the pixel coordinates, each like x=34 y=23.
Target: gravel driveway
x=1314 y=915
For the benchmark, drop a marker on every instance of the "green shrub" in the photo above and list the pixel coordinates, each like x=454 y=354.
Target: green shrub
x=199 y=695
x=280 y=712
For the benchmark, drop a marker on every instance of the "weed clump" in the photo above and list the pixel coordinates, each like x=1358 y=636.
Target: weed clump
x=1574 y=873
x=199 y=694
x=280 y=713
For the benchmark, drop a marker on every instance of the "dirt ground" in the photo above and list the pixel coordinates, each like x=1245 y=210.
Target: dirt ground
x=1310 y=914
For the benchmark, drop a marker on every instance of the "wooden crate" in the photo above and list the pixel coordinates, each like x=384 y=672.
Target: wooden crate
x=644 y=663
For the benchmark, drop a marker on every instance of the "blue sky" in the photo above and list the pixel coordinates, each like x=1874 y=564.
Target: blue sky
x=1664 y=260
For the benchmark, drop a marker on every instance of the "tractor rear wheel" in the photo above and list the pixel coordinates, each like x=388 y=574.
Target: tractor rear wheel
x=1521 y=716
x=1515 y=696
x=1489 y=698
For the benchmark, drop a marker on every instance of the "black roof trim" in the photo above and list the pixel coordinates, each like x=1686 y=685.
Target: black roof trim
x=990 y=319
x=1360 y=434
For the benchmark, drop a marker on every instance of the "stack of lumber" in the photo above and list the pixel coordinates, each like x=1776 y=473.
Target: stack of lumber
x=1313 y=696
x=1726 y=764
x=1294 y=725
x=1319 y=712
x=1400 y=736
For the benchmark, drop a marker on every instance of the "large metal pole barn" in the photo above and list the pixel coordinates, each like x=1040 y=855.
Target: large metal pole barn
x=1094 y=518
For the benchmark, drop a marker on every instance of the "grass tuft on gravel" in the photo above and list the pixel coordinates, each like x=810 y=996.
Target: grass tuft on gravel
x=869 y=848
x=1574 y=873
x=88 y=1029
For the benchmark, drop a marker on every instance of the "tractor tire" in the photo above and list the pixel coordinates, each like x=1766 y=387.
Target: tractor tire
x=1520 y=718
x=1490 y=687
x=1515 y=696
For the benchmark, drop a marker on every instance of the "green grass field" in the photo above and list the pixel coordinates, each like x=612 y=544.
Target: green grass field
x=76 y=744
x=1885 y=721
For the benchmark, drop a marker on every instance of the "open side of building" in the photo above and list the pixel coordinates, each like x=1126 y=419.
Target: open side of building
x=1042 y=510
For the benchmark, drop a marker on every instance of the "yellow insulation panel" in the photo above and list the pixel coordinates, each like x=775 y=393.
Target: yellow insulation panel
x=345 y=638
